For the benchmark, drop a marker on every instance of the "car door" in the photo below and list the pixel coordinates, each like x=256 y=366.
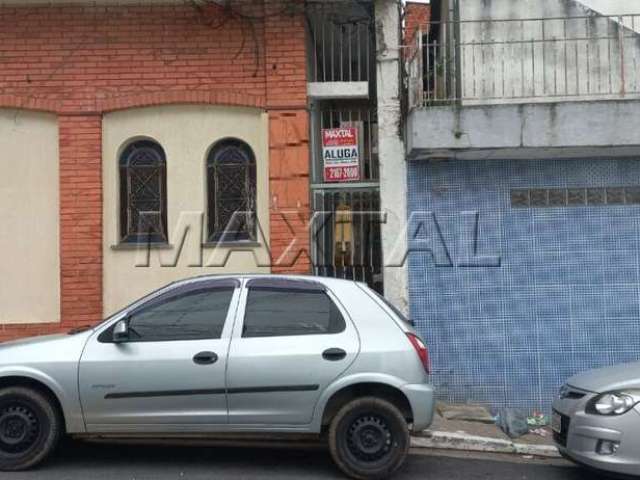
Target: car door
x=293 y=340
x=170 y=374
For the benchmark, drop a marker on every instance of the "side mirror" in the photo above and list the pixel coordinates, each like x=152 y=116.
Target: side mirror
x=121 y=331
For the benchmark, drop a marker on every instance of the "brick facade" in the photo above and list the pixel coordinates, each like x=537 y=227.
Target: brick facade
x=416 y=15
x=80 y=61
x=80 y=218
x=286 y=95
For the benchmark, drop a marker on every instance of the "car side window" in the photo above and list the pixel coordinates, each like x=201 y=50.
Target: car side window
x=192 y=315
x=276 y=312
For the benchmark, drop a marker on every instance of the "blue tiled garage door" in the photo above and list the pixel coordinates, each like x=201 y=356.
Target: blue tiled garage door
x=549 y=291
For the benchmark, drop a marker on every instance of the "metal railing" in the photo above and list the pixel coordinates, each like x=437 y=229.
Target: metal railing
x=340 y=36
x=524 y=60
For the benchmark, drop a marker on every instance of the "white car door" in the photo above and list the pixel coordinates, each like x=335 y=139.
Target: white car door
x=170 y=374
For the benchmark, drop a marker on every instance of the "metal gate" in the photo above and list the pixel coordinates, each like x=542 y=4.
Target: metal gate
x=346 y=235
x=346 y=227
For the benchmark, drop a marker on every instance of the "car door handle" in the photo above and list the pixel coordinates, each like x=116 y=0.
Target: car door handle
x=334 y=354
x=205 y=358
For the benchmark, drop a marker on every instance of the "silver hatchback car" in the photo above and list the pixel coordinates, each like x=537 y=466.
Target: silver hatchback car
x=596 y=419
x=216 y=355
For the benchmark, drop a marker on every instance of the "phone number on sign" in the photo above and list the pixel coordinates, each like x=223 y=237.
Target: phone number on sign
x=341 y=174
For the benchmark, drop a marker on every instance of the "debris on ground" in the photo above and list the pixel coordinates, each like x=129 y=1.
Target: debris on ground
x=512 y=421
x=538 y=420
x=543 y=432
x=539 y=436
x=468 y=413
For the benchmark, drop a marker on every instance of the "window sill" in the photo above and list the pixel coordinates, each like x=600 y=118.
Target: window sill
x=168 y=246
x=239 y=243
x=142 y=246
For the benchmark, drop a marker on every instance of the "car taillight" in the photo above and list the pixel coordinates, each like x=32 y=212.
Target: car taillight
x=421 y=350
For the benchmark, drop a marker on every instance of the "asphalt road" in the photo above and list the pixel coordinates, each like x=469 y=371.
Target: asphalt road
x=80 y=461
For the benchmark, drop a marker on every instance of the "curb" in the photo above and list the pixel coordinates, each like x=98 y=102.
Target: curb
x=473 y=443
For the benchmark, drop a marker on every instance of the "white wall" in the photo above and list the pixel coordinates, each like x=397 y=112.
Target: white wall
x=185 y=133
x=563 y=67
x=29 y=218
x=614 y=7
x=393 y=166
x=536 y=130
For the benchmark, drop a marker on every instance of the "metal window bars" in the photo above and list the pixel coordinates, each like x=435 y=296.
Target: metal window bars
x=591 y=57
x=360 y=115
x=340 y=41
x=346 y=235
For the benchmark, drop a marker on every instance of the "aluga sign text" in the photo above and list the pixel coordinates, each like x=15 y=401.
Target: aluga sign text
x=340 y=154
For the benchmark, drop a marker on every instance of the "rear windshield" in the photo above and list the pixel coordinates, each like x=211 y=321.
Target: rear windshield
x=393 y=308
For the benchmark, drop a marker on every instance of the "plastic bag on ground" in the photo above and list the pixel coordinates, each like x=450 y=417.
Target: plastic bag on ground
x=512 y=421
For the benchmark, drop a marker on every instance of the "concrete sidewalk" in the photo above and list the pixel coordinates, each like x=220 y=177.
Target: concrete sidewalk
x=482 y=436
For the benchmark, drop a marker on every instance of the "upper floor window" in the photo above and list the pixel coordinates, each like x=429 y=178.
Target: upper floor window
x=231 y=181
x=143 y=193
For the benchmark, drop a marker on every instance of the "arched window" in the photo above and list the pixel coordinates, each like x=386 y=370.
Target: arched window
x=231 y=182
x=143 y=193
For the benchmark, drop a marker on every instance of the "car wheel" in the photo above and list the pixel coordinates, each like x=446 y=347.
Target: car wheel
x=30 y=428
x=369 y=438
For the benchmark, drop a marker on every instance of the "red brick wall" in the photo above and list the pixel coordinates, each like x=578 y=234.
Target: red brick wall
x=289 y=185
x=416 y=15
x=80 y=61
x=286 y=96
x=80 y=218
x=81 y=54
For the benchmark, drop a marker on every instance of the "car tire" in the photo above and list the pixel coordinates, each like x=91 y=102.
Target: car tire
x=369 y=438
x=30 y=428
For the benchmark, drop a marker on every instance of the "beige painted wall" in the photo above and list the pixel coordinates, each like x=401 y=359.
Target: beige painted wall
x=185 y=133
x=29 y=218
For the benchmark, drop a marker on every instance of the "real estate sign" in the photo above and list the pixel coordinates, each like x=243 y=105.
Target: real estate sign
x=340 y=153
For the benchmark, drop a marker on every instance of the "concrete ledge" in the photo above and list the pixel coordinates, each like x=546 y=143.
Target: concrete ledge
x=473 y=443
x=333 y=90
x=585 y=128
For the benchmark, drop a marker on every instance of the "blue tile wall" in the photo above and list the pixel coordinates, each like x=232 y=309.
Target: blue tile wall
x=564 y=297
